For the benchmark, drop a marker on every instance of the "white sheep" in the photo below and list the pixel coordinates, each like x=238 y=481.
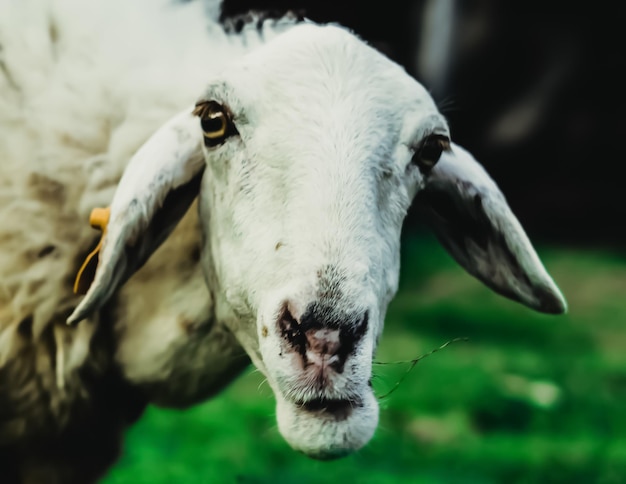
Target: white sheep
x=304 y=148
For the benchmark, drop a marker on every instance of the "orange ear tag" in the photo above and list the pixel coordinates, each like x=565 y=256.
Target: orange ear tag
x=98 y=219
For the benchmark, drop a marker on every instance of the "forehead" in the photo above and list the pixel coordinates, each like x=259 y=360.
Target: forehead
x=323 y=76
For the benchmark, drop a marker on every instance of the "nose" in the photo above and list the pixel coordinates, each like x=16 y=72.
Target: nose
x=322 y=336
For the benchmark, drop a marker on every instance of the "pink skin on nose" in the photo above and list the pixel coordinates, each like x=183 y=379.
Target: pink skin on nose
x=323 y=346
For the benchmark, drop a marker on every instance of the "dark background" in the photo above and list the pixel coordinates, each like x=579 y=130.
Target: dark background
x=535 y=90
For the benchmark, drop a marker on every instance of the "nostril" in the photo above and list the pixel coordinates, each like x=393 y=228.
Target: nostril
x=287 y=321
x=351 y=334
x=291 y=330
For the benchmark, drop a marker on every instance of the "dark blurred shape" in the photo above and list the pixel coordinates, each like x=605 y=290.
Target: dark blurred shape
x=537 y=95
x=389 y=28
x=534 y=90
x=502 y=414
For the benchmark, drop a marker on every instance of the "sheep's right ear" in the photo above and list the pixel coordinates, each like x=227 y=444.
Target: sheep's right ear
x=156 y=189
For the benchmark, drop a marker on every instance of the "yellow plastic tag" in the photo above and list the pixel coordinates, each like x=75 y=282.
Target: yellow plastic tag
x=99 y=219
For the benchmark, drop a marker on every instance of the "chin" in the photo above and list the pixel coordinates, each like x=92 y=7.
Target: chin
x=328 y=429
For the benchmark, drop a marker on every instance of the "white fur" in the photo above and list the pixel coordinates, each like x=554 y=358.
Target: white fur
x=310 y=193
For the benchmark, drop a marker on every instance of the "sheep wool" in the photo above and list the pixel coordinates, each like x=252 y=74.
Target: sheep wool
x=82 y=86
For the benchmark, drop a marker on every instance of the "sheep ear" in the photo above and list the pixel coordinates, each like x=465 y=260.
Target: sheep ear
x=157 y=187
x=475 y=224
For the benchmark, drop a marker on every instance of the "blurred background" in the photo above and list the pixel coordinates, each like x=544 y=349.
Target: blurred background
x=535 y=90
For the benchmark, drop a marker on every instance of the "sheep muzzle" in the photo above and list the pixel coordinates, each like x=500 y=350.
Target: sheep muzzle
x=317 y=357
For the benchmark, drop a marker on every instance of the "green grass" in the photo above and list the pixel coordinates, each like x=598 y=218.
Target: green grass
x=529 y=398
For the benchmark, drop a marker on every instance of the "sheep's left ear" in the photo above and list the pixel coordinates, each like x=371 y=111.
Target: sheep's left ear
x=156 y=189
x=475 y=224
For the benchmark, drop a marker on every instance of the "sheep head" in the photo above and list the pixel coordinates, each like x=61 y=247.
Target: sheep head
x=306 y=155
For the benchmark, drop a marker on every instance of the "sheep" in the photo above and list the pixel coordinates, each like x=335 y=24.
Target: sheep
x=257 y=185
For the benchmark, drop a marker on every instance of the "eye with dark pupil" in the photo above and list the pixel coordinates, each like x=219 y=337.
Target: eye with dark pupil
x=212 y=125
x=429 y=153
x=215 y=122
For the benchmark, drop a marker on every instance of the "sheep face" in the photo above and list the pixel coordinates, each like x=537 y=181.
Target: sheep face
x=303 y=196
x=306 y=155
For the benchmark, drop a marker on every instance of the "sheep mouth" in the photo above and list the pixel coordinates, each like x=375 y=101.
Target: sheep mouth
x=328 y=428
x=336 y=409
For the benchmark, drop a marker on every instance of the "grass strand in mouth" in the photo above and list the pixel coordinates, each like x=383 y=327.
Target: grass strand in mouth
x=413 y=363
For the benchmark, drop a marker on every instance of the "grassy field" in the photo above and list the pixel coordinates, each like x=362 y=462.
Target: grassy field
x=528 y=398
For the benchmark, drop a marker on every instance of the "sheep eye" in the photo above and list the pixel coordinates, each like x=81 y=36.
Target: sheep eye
x=215 y=122
x=428 y=154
